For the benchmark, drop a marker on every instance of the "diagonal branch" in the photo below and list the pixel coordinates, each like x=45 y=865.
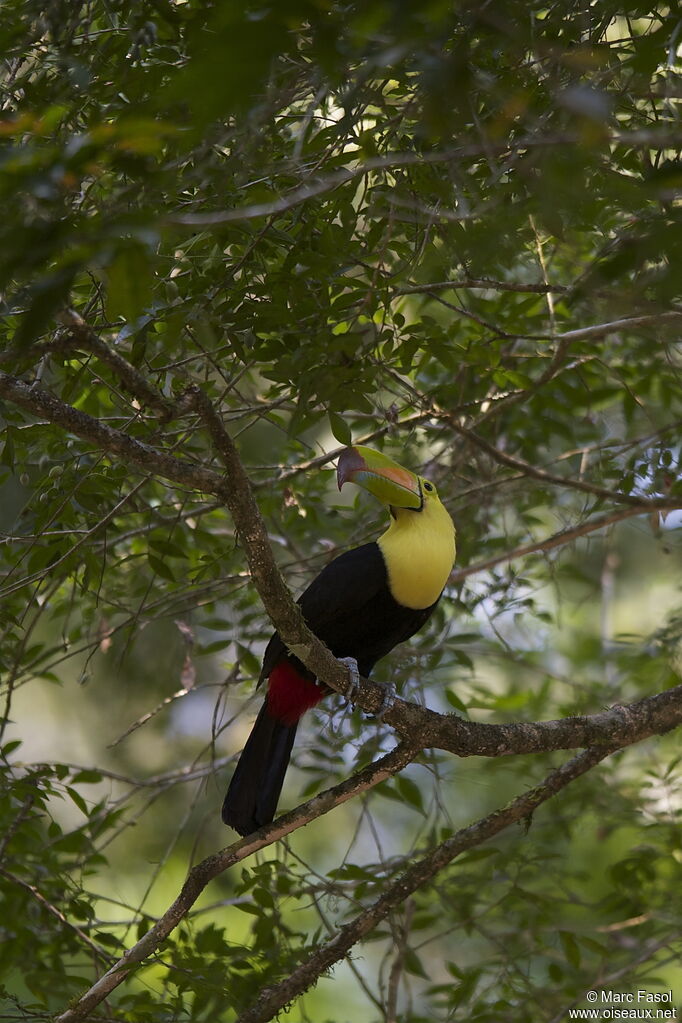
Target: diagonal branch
x=519 y=465
x=416 y=724
x=617 y=727
x=54 y=911
x=628 y=323
x=202 y=873
x=78 y=336
x=272 y=999
x=391 y=161
x=559 y=539
x=44 y=405
x=81 y=336
x=526 y=469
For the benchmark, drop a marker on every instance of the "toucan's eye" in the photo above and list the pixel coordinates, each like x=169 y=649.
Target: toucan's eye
x=428 y=486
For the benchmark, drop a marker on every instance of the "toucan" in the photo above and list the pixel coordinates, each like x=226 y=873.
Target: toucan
x=361 y=605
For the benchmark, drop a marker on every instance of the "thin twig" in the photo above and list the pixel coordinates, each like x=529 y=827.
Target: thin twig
x=398 y=964
x=482 y=283
x=47 y=905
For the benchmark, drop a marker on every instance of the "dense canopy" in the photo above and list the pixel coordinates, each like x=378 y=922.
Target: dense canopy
x=235 y=238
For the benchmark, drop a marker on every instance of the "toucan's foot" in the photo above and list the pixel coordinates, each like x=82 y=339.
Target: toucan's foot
x=387 y=701
x=353 y=677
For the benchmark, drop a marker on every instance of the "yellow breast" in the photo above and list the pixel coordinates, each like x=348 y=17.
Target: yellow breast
x=419 y=551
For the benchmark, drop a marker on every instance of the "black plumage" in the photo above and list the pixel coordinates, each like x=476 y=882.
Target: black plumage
x=349 y=606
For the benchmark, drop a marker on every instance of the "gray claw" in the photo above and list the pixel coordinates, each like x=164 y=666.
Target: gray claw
x=353 y=677
x=387 y=701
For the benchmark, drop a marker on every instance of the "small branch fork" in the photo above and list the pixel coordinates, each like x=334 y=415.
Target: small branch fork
x=420 y=728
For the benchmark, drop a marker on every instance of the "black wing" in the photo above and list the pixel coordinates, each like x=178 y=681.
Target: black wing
x=340 y=592
x=349 y=606
x=344 y=587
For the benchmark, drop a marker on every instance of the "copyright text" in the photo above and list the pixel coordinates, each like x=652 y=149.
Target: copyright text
x=606 y=1004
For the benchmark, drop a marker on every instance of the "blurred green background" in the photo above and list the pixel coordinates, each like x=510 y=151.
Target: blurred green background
x=374 y=222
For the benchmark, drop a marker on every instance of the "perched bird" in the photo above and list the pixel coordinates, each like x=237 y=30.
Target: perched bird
x=361 y=605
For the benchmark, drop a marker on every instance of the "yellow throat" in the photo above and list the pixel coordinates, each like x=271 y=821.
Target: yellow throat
x=419 y=551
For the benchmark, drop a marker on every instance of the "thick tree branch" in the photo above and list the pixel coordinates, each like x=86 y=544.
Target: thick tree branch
x=424 y=727
x=44 y=405
x=617 y=727
x=202 y=873
x=620 y=725
x=272 y=999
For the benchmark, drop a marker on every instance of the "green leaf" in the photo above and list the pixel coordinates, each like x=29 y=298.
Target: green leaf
x=570 y=947
x=414 y=965
x=454 y=701
x=410 y=792
x=106 y=939
x=263 y=897
x=7 y=457
x=78 y=800
x=86 y=777
x=340 y=429
x=248 y=907
x=248 y=662
x=160 y=567
x=166 y=547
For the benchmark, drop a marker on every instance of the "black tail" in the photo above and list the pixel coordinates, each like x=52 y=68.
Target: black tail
x=251 y=799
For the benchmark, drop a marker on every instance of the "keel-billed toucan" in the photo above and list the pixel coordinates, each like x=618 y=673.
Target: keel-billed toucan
x=361 y=605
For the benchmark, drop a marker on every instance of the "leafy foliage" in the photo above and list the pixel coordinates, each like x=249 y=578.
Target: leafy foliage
x=412 y=225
